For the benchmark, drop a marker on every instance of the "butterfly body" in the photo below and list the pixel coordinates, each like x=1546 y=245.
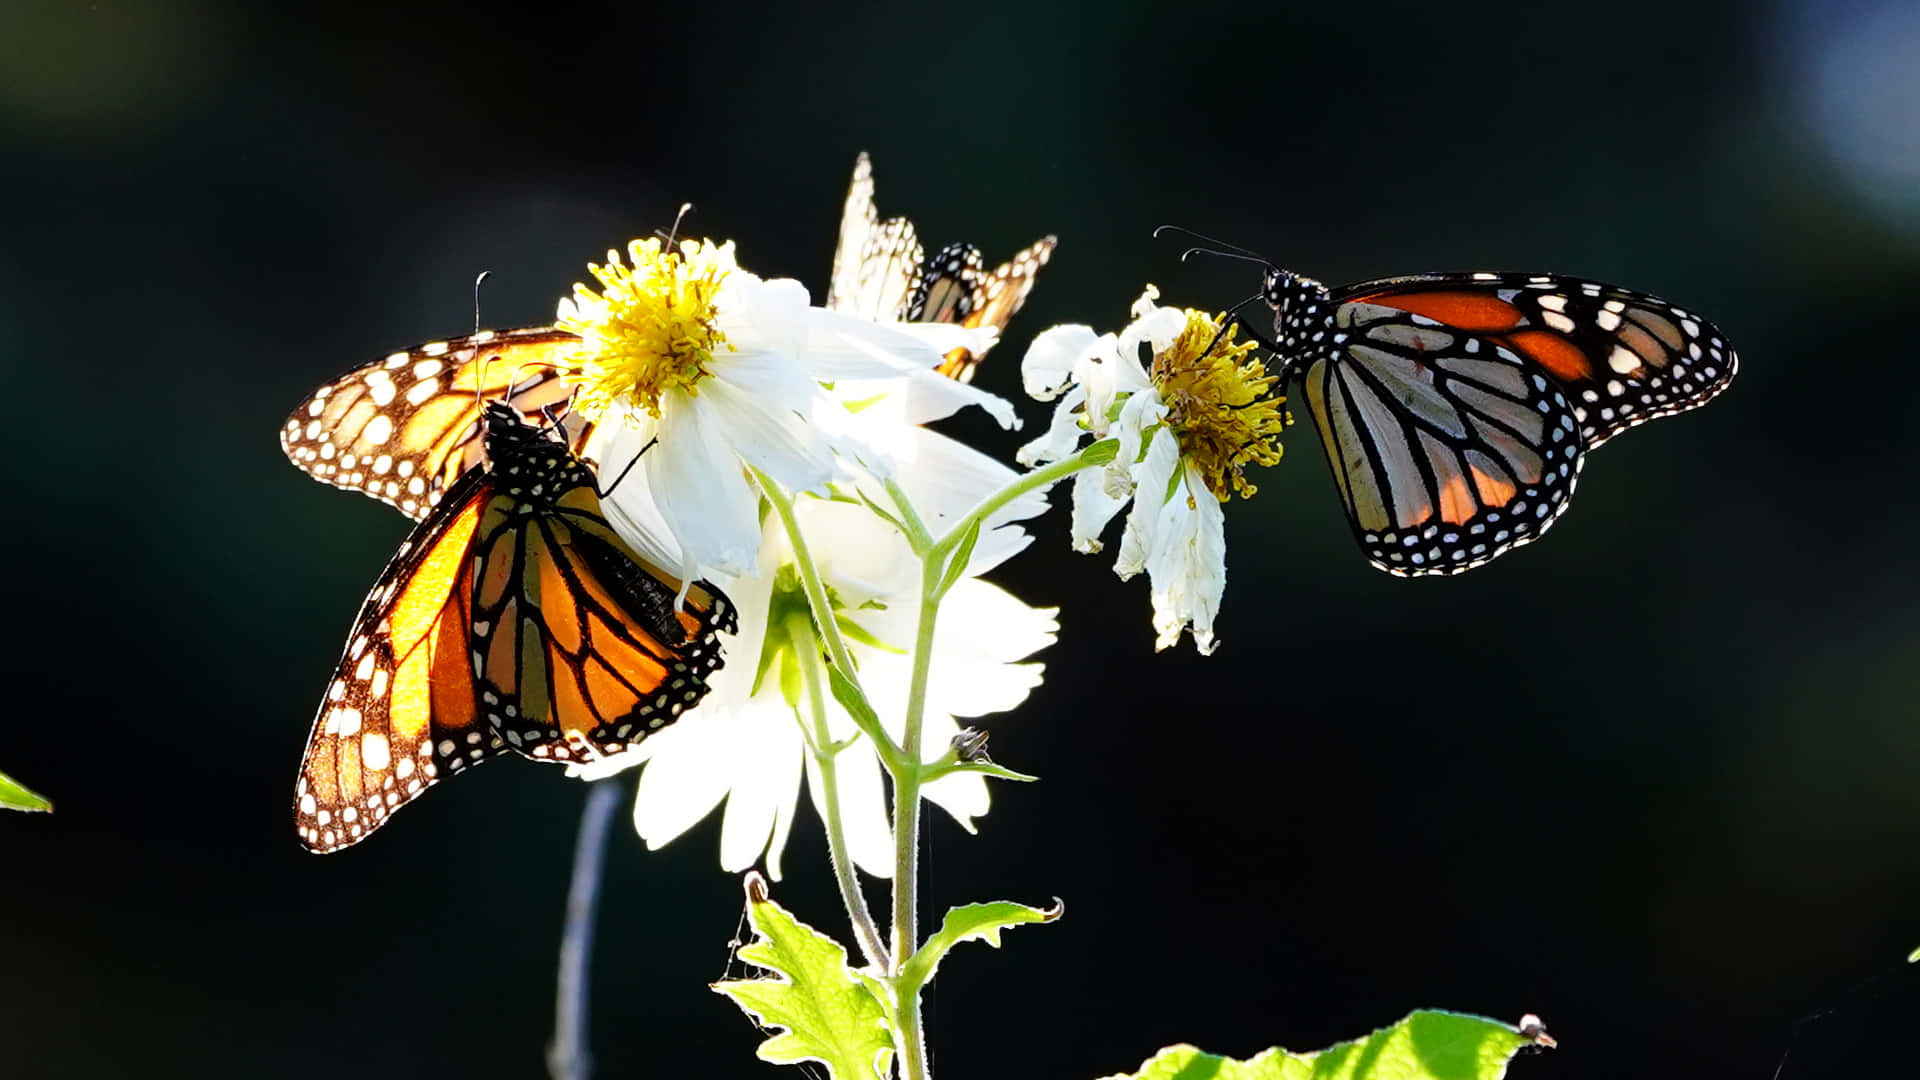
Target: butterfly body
x=1457 y=409
x=512 y=620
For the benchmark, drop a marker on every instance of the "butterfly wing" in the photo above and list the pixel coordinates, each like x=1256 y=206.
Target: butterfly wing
x=400 y=711
x=1447 y=448
x=857 y=222
x=1623 y=357
x=403 y=429
x=1457 y=409
x=993 y=300
x=580 y=648
x=949 y=286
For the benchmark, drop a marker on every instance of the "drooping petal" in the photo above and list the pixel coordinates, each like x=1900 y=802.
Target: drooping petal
x=766 y=785
x=688 y=772
x=1050 y=361
x=1188 y=566
x=1063 y=433
x=1093 y=506
x=1151 y=478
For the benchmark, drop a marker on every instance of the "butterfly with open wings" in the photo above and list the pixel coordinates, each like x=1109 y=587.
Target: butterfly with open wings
x=513 y=619
x=1457 y=409
x=881 y=272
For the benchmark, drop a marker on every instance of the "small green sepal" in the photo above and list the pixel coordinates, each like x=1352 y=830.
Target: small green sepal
x=1102 y=452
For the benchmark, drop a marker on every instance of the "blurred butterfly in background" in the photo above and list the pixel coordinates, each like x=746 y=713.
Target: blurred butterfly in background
x=1457 y=409
x=880 y=272
x=513 y=619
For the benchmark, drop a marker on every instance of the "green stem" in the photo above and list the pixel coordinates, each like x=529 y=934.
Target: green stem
x=800 y=631
x=906 y=826
x=1098 y=453
x=823 y=614
x=918 y=537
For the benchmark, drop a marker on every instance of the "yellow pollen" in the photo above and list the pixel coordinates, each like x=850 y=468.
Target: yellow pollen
x=1223 y=410
x=651 y=326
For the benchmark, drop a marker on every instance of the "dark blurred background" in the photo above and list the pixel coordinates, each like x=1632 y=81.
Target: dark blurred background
x=1653 y=779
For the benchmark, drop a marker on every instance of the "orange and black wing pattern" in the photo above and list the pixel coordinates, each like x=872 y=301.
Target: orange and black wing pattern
x=955 y=288
x=1457 y=409
x=583 y=648
x=880 y=273
x=512 y=620
x=1623 y=357
x=401 y=711
x=402 y=429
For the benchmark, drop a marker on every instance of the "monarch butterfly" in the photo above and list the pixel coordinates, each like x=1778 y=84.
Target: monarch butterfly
x=512 y=619
x=880 y=272
x=404 y=428
x=1457 y=409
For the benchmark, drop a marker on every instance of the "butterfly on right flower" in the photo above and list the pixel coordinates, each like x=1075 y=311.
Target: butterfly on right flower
x=1457 y=409
x=881 y=272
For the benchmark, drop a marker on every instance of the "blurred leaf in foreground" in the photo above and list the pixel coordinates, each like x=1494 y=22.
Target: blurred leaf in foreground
x=1427 y=1045
x=15 y=796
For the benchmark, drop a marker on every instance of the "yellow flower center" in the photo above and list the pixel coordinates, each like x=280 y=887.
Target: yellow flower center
x=1223 y=411
x=651 y=325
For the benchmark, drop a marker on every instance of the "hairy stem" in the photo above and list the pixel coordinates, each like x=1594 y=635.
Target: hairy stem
x=1098 y=453
x=822 y=608
x=800 y=631
x=911 y=1039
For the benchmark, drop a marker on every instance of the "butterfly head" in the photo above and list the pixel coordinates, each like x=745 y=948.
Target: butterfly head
x=1301 y=308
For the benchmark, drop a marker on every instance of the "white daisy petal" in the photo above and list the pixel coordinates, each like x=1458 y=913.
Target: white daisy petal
x=1063 y=434
x=1151 y=479
x=695 y=481
x=1049 y=363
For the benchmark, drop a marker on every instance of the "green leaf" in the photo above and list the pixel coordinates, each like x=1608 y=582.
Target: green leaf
x=15 y=796
x=962 y=553
x=971 y=922
x=984 y=768
x=1427 y=1045
x=826 y=1013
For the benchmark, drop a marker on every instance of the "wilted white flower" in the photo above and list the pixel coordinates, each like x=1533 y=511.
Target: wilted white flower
x=1188 y=419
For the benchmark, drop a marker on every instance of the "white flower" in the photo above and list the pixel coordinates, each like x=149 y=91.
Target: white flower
x=1188 y=421
x=744 y=744
x=712 y=370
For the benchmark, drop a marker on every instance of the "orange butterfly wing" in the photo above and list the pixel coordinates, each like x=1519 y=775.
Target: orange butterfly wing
x=402 y=429
x=513 y=619
x=581 y=649
x=995 y=299
x=400 y=710
x=1622 y=357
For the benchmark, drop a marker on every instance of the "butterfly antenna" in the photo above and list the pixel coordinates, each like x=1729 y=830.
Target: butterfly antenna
x=1215 y=245
x=476 y=299
x=1224 y=255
